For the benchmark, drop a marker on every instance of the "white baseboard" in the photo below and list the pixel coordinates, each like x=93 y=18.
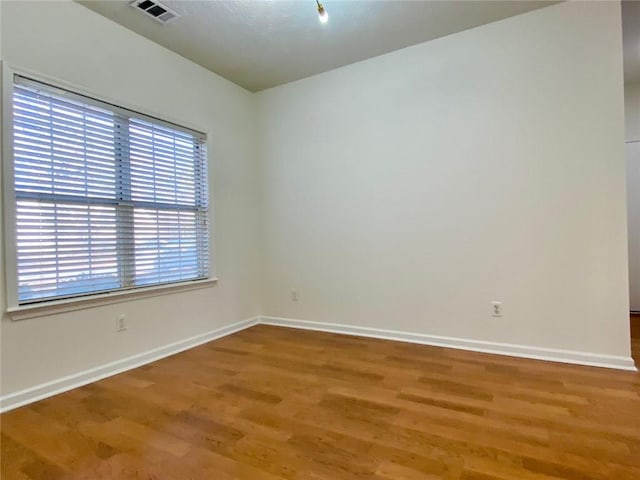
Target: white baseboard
x=54 y=387
x=537 y=353
x=48 y=389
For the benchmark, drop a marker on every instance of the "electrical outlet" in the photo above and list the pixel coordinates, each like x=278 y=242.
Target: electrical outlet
x=294 y=294
x=496 y=309
x=121 y=324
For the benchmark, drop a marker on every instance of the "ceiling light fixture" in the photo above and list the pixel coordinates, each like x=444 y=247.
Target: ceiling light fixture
x=322 y=13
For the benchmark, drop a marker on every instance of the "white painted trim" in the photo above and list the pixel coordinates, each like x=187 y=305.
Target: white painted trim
x=537 y=353
x=60 y=385
x=120 y=295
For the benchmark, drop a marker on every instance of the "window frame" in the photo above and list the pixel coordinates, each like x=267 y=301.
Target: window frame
x=47 y=307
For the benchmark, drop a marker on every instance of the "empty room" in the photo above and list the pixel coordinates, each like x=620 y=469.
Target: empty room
x=325 y=240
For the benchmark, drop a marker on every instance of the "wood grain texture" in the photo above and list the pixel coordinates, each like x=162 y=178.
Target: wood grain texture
x=273 y=403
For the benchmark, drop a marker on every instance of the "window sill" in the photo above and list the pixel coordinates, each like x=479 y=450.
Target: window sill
x=69 y=305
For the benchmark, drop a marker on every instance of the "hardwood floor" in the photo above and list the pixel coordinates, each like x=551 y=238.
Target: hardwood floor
x=274 y=403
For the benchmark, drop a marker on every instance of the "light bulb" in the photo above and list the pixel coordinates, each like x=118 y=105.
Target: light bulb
x=322 y=13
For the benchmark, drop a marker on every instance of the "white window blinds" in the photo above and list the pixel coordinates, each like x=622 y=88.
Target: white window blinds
x=106 y=198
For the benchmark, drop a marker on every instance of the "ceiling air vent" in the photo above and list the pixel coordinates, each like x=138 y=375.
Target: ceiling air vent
x=155 y=10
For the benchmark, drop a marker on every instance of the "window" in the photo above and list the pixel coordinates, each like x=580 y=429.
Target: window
x=105 y=198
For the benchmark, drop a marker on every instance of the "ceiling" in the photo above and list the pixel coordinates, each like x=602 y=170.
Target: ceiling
x=631 y=40
x=259 y=44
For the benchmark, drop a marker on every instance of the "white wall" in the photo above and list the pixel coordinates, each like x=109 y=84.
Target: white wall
x=2 y=285
x=404 y=192
x=69 y=42
x=408 y=191
x=632 y=110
